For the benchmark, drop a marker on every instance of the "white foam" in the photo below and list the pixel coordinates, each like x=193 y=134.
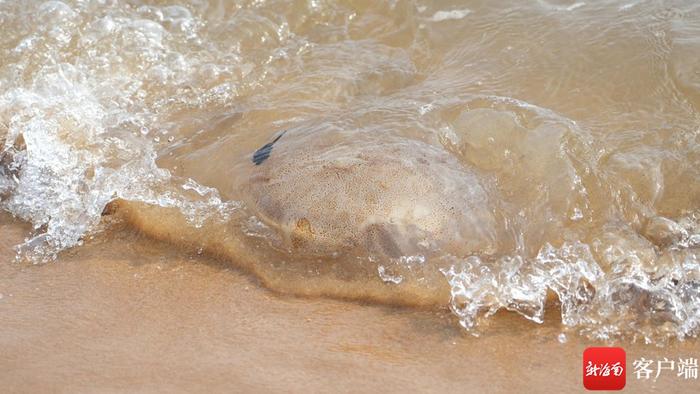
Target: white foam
x=450 y=15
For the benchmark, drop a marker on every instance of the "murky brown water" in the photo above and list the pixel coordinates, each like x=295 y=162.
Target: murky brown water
x=472 y=155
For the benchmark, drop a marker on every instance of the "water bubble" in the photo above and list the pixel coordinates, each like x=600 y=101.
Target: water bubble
x=576 y=215
x=53 y=12
x=412 y=260
x=424 y=109
x=387 y=277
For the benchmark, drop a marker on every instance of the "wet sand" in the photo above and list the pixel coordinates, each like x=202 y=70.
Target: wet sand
x=127 y=314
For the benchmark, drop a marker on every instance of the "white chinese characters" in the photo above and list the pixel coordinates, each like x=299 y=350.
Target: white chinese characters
x=604 y=369
x=684 y=368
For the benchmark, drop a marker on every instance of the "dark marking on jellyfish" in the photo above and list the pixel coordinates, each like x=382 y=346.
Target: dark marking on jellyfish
x=263 y=153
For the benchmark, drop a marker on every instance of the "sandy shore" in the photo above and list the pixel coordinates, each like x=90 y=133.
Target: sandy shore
x=125 y=314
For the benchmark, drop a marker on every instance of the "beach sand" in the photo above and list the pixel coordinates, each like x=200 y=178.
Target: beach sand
x=126 y=314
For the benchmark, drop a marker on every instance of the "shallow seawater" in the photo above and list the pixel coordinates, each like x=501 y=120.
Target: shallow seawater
x=473 y=155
